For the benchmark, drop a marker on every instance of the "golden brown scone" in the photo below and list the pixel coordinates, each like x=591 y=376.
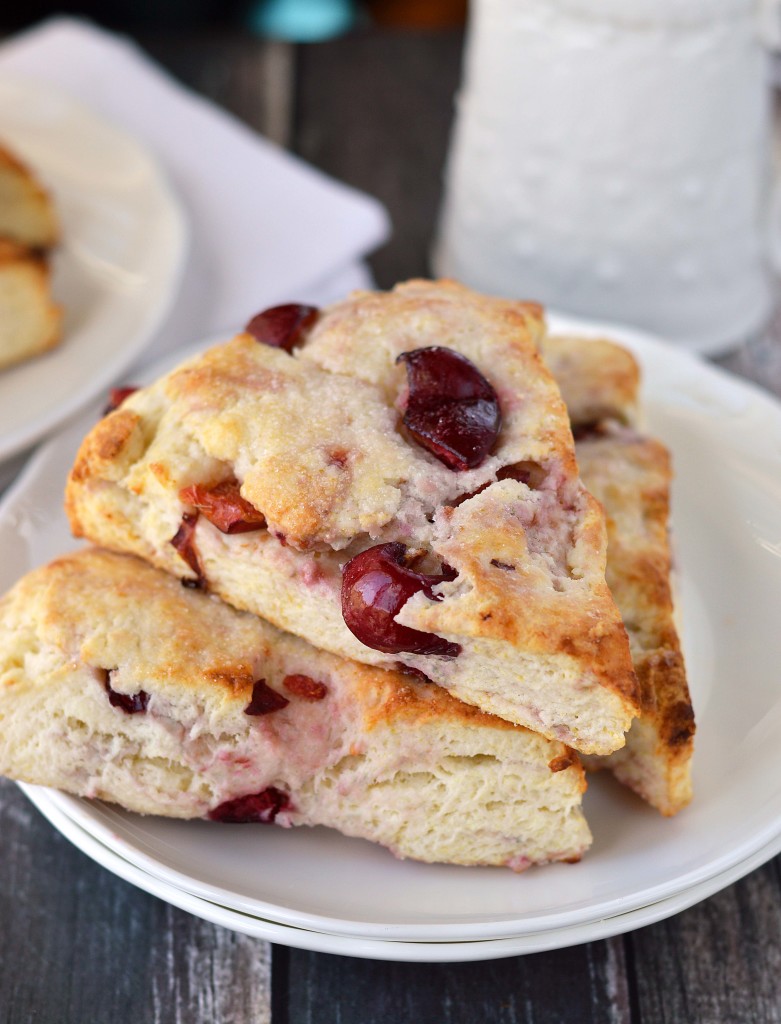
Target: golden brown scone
x=598 y=379
x=118 y=683
x=29 y=321
x=314 y=442
x=27 y=215
x=630 y=476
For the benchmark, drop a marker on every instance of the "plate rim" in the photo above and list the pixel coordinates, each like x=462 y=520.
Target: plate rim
x=443 y=951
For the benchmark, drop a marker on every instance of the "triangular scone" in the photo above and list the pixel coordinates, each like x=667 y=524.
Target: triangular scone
x=598 y=379
x=29 y=320
x=630 y=475
x=27 y=215
x=118 y=683
x=503 y=596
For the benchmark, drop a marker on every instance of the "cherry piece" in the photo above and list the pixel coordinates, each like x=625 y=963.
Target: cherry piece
x=413 y=673
x=184 y=542
x=130 y=703
x=305 y=687
x=116 y=397
x=224 y=507
x=375 y=587
x=282 y=326
x=452 y=410
x=260 y=807
x=265 y=700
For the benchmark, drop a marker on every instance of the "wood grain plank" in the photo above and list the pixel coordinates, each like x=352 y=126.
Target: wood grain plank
x=78 y=944
x=717 y=963
x=250 y=77
x=375 y=110
x=583 y=984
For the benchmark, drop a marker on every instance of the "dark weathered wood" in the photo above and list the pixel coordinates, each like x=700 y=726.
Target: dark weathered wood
x=375 y=110
x=251 y=77
x=580 y=985
x=718 y=961
x=78 y=945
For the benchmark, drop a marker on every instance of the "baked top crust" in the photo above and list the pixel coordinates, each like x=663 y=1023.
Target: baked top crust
x=599 y=380
x=30 y=323
x=117 y=682
x=315 y=443
x=27 y=214
x=630 y=475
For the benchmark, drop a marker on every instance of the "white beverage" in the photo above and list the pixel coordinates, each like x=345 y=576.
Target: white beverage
x=611 y=158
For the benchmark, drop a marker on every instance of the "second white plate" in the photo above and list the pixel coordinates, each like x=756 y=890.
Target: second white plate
x=379 y=949
x=117 y=269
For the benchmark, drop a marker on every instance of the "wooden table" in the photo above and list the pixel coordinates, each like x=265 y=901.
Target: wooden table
x=79 y=946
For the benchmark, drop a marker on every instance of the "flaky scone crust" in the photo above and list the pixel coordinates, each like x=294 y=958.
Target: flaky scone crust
x=315 y=442
x=374 y=748
x=599 y=380
x=631 y=476
x=26 y=305
x=43 y=228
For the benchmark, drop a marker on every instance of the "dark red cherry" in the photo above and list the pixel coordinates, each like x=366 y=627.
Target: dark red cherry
x=258 y=807
x=265 y=700
x=305 y=687
x=452 y=410
x=413 y=673
x=375 y=587
x=116 y=397
x=184 y=542
x=282 y=326
x=224 y=507
x=130 y=703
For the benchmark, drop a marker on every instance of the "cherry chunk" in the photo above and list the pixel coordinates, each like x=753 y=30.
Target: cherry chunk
x=184 y=542
x=282 y=326
x=452 y=411
x=305 y=687
x=264 y=700
x=376 y=585
x=224 y=507
x=116 y=397
x=130 y=703
x=260 y=807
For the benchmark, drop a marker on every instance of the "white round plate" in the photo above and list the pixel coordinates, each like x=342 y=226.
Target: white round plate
x=379 y=949
x=726 y=440
x=116 y=270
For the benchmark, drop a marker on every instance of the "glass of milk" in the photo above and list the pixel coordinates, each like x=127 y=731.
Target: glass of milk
x=611 y=158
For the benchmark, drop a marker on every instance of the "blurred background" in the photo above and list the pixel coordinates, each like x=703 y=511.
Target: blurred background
x=293 y=20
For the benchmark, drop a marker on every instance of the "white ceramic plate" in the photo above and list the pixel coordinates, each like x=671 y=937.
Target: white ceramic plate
x=726 y=438
x=117 y=269
x=378 y=949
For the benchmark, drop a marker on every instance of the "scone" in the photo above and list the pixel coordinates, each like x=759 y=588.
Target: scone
x=599 y=380
x=29 y=320
x=393 y=479
x=27 y=214
x=630 y=475
x=118 y=683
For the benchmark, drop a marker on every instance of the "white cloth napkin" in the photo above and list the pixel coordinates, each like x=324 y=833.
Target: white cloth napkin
x=265 y=227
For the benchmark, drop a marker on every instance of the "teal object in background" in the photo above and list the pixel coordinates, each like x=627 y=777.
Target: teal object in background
x=302 y=21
